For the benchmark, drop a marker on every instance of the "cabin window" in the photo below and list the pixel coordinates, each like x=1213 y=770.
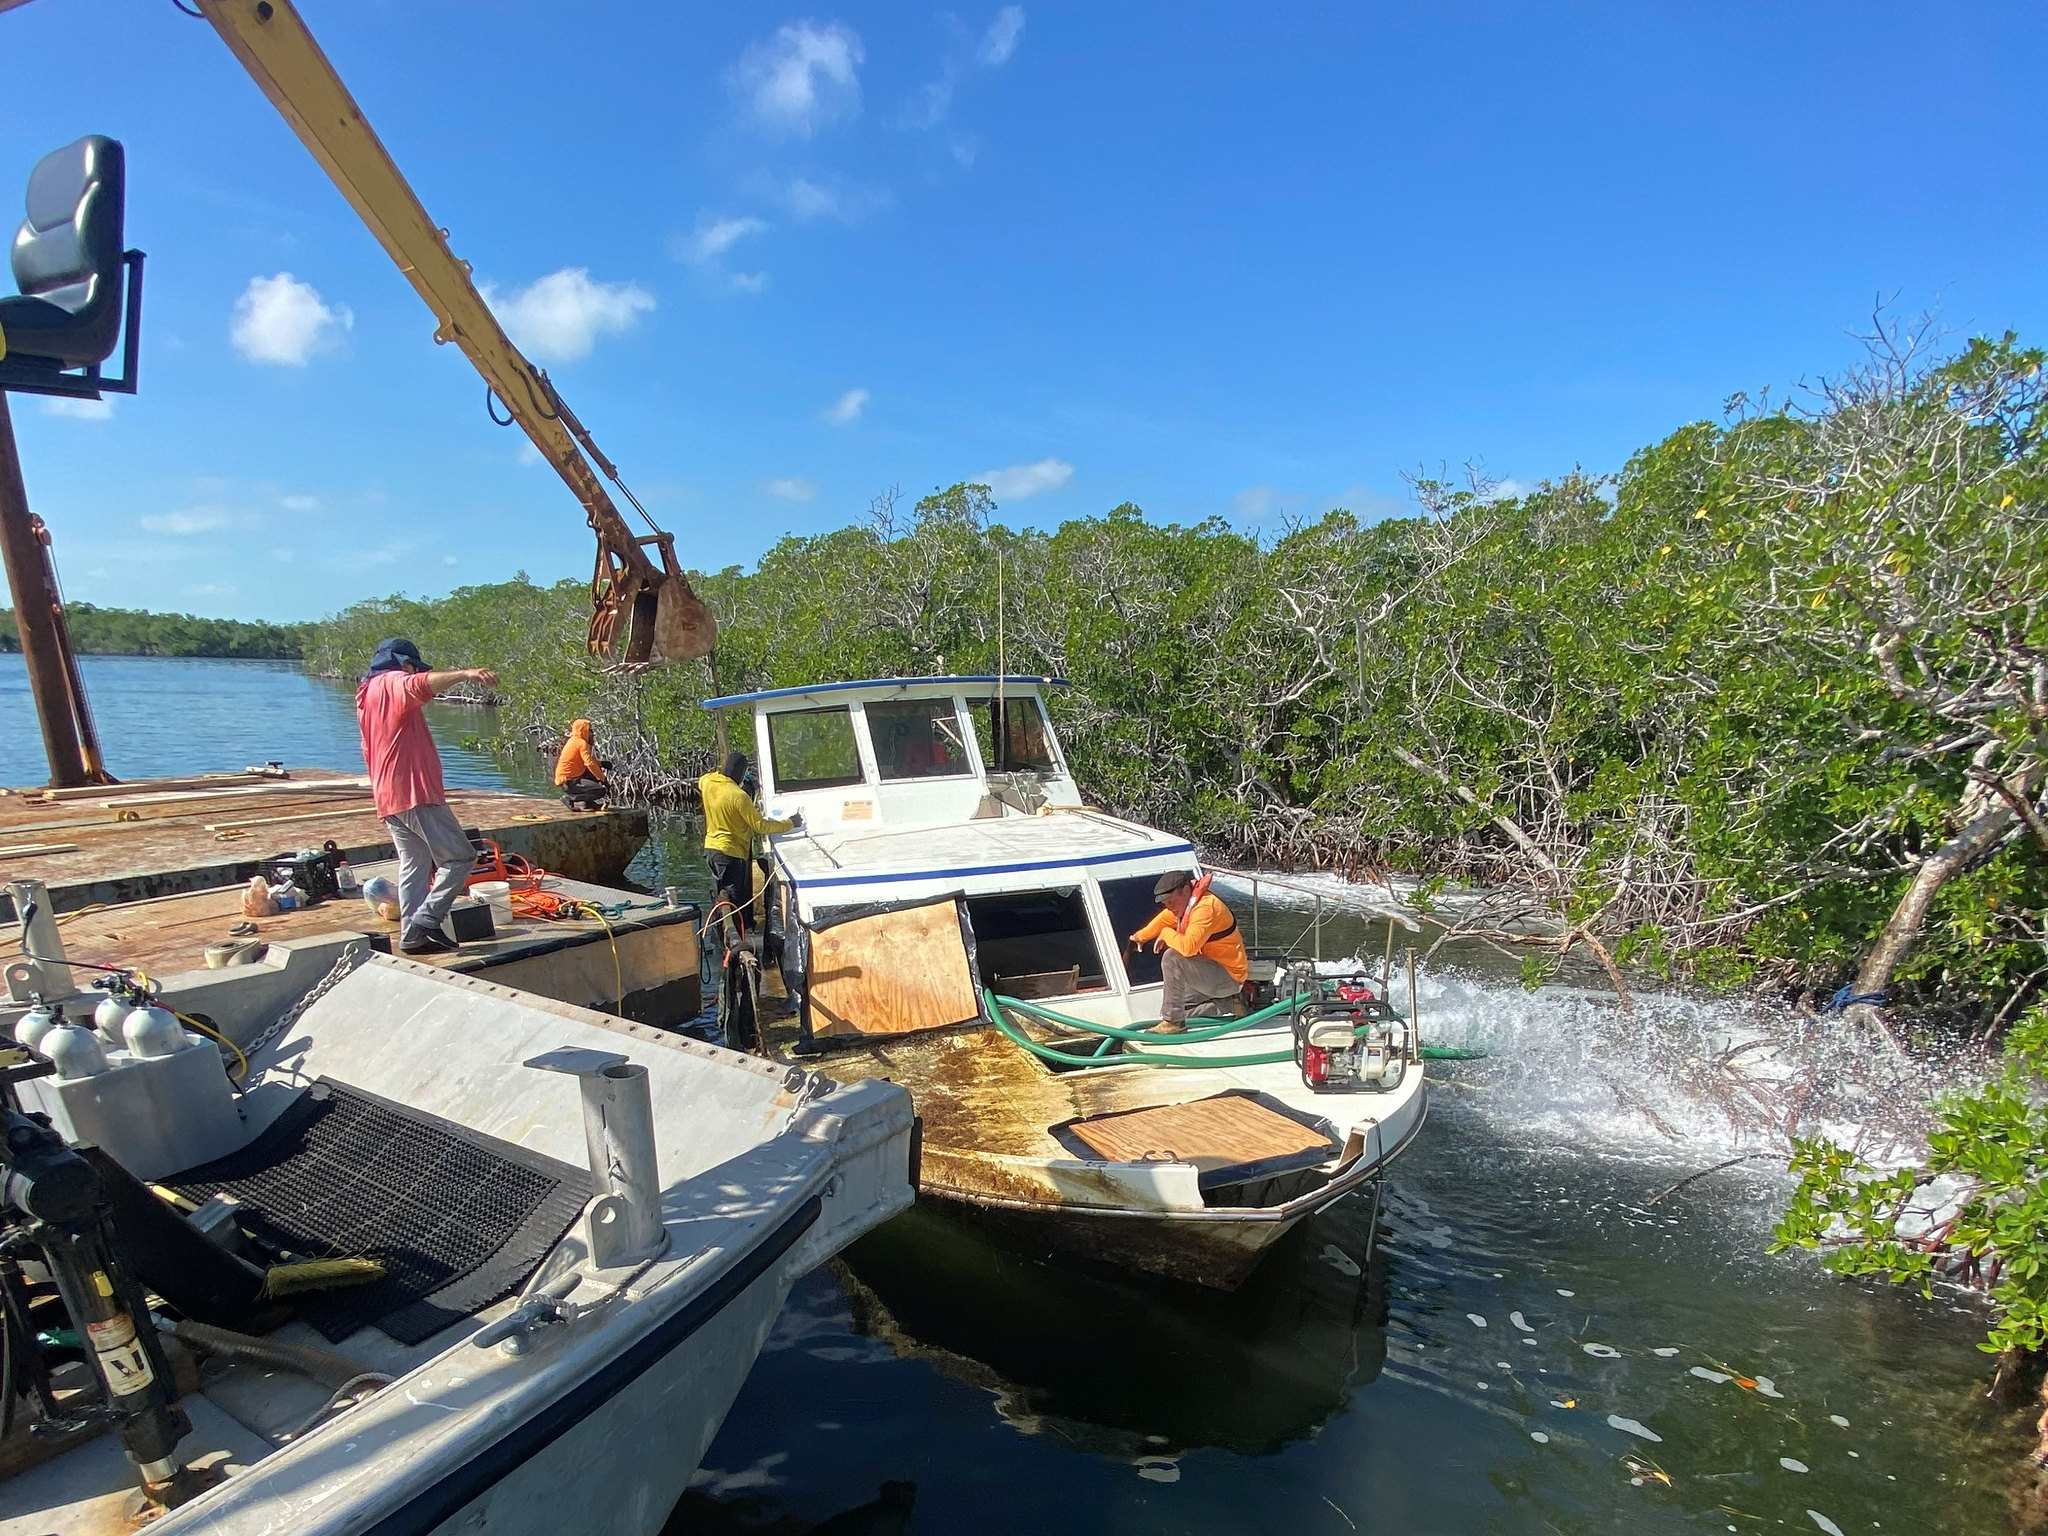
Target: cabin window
x=917 y=739
x=1035 y=943
x=1131 y=905
x=1027 y=742
x=813 y=749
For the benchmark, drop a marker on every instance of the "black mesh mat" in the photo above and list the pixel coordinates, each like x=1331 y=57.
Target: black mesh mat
x=459 y=1219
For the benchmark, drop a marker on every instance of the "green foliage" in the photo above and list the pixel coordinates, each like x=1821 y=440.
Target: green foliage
x=1726 y=714
x=134 y=632
x=1987 y=1224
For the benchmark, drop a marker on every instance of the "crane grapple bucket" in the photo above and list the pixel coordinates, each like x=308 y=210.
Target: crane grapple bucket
x=684 y=629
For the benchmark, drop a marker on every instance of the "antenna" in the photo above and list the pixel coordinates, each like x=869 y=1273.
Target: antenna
x=1002 y=672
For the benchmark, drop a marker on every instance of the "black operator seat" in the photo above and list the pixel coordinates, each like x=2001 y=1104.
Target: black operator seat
x=67 y=258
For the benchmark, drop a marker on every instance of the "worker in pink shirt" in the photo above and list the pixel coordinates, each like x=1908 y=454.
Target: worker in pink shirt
x=434 y=853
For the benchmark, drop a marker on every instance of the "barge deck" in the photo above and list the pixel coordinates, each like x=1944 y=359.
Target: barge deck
x=160 y=837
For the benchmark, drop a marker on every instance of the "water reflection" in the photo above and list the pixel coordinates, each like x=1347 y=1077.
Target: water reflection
x=701 y=1513
x=1121 y=1364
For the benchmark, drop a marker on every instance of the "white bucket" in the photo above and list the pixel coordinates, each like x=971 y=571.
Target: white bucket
x=497 y=895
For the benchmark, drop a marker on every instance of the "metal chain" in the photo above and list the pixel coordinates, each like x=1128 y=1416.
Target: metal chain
x=351 y=957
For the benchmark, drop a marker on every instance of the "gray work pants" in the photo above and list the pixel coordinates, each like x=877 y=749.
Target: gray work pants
x=434 y=861
x=1190 y=981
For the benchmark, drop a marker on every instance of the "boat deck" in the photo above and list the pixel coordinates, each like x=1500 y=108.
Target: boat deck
x=978 y=1093
x=158 y=837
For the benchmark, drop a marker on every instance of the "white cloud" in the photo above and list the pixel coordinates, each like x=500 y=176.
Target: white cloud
x=964 y=148
x=448 y=559
x=715 y=236
x=284 y=556
x=707 y=246
x=79 y=410
x=933 y=102
x=526 y=456
x=1021 y=480
x=282 y=320
x=186 y=524
x=298 y=503
x=809 y=200
x=211 y=589
x=1509 y=490
x=928 y=108
x=1256 y=502
x=1000 y=40
x=792 y=489
x=805 y=77
x=847 y=408
x=558 y=318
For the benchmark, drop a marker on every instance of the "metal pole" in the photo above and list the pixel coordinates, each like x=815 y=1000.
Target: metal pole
x=36 y=616
x=1414 y=1008
x=1255 y=913
x=618 y=1130
x=1319 y=928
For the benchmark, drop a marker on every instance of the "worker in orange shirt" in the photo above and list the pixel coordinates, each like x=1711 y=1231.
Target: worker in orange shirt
x=1202 y=958
x=578 y=774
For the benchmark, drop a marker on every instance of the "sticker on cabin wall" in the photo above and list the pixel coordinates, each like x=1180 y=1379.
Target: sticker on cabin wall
x=856 y=810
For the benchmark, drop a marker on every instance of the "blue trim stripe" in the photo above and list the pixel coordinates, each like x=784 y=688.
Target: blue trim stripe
x=888 y=876
x=874 y=682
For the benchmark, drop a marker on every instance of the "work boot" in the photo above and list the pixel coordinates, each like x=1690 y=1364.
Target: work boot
x=1169 y=1027
x=425 y=941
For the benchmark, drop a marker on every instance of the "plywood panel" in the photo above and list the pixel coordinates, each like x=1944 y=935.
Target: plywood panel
x=893 y=973
x=1230 y=1129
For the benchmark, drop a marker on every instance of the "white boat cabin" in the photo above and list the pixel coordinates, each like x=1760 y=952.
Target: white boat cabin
x=905 y=751
x=915 y=788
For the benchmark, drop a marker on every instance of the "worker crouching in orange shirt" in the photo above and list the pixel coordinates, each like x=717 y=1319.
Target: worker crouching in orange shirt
x=1202 y=958
x=578 y=774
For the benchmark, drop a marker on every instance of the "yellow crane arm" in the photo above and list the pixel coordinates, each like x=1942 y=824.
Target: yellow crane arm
x=647 y=605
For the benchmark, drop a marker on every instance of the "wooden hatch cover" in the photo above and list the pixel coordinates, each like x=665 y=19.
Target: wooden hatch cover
x=883 y=972
x=1229 y=1137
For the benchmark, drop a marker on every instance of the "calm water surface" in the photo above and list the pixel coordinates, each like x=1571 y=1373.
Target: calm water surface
x=1528 y=1336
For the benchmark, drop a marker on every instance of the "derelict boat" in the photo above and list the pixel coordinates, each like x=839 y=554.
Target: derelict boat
x=952 y=917
x=569 y=1301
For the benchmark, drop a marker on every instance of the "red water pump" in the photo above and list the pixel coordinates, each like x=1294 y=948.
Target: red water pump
x=1346 y=1038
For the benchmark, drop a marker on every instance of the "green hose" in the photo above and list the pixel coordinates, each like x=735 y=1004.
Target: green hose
x=1111 y=1032
x=1149 y=1058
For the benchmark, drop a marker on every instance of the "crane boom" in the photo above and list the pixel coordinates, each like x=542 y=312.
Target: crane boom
x=639 y=604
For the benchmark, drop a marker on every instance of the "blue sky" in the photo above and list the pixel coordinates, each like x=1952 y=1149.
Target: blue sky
x=1235 y=261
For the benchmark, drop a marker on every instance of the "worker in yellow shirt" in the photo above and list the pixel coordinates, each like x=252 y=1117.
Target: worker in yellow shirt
x=1202 y=958
x=731 y=819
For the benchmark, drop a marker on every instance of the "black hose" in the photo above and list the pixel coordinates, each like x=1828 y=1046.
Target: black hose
x=331 y=1370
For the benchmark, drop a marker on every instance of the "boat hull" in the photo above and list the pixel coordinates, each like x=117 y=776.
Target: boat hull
x=1052 y=1208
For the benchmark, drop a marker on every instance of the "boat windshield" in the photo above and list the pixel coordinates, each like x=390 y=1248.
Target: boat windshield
x=917 y=738
x=1027 y=742
x=813 y=749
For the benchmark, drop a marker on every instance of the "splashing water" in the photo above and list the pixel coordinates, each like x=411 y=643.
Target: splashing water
x=1681 y=1078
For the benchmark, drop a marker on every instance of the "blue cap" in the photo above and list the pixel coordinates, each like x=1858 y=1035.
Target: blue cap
x=395 y=654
